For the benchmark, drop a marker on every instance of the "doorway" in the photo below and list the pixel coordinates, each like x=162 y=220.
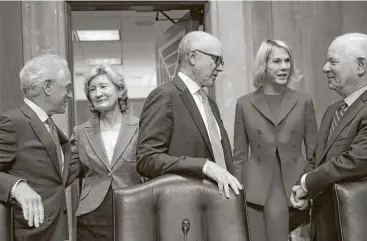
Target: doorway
x=138 y=39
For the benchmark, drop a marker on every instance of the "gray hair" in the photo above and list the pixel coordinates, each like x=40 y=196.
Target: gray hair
x=39 y=69
x=116 y=78
x=262 y=58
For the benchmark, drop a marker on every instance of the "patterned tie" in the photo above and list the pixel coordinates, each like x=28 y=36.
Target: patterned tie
x=215 y=137
x=338 y=116
x=55 y=138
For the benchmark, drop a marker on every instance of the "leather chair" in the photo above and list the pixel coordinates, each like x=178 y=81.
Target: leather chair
x=5 y=222
x=164 y=208
x=350 y=201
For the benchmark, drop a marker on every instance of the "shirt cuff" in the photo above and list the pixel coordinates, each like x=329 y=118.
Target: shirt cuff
x=205 y=167
x=303 y=182
x=12 y=192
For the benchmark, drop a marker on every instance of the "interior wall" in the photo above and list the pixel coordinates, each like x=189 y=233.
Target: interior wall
x=11 y=57
x=307 y=26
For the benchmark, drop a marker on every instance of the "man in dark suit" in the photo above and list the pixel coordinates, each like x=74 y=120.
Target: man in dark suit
x=34 y=153
x=181 y=130
x=341 y=149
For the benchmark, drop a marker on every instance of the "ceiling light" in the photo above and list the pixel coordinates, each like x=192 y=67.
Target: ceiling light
x=98 y=35
x=111 y=61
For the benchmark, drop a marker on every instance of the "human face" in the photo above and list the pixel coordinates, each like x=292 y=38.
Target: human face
x=103 y=93
x=60 y=93
x=278 y=66
x=208 y=64
x=340 y=69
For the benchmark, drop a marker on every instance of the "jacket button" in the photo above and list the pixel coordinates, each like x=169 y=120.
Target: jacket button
x=293 y=131
x=109 y=174
x=258 y=131
x=258 y=145
x=294 y=144
x=258 y=159
x=295 y=158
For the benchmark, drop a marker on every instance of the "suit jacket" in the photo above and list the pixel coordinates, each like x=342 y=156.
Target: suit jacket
x=342 y=157
x=28 y=152
x=255 y=128
x=99 y=175
x=172 y=136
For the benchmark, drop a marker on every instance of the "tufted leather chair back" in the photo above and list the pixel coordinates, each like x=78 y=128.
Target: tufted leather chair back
x=154 y=211
x=5 y=222
x=350 y=201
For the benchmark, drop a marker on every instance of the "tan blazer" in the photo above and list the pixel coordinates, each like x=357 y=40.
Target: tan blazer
x=99 y=175
x=257 y=131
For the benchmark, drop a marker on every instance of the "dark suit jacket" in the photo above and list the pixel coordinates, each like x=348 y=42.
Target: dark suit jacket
x=99 y=175
x=255 y=128
x=28 y=152
x=172 y=135
x=342 y=157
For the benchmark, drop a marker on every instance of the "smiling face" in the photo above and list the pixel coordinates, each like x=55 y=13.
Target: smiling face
x=278 y=66
x=341 y=68
x=103 y=93
x=59 y=92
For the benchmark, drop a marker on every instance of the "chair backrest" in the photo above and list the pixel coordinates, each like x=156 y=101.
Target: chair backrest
x=350 y=201
x=5 y=222
x=155 y=210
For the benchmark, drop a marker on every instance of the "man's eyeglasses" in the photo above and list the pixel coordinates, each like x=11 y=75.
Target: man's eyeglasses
x=217 y=59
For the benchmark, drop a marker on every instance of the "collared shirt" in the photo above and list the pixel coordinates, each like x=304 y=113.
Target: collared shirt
x=194 y=88
x=349 y=100
x=43 y=117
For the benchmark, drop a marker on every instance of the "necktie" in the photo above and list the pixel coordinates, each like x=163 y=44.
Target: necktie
x=215 y=137
x=55 y=138
x=338 y=116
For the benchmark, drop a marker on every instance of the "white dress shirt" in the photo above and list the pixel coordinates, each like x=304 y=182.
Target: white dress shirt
x=194 y=90
x=349 y=100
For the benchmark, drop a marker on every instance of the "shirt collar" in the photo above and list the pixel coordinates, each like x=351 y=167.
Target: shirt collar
x=36 y=109
x=355 y=95
x=191 y=85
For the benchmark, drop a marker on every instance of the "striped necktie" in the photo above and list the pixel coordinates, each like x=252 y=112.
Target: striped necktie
x=55 y=138
x=338 y=116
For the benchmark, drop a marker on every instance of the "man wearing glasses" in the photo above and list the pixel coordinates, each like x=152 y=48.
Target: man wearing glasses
x=181 y=130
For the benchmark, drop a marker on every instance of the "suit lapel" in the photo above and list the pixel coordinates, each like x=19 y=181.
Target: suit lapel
x=289 y=100
x=346 y=119
x=260 y=104
x=126 y=133
x=64 y=142
x=324 y=132
x=93 y=134
x=43 y=135
x=194 y=111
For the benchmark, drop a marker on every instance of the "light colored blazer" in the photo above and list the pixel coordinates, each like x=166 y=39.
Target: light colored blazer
x=99 y=175
x=256 y=130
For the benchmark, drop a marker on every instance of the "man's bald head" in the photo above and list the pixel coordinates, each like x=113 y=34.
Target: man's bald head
x=199 y=40
x=200 y=57
x=354 y=45
x=346 y=66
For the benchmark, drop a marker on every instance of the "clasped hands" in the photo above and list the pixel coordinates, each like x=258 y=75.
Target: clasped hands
x=299 y=198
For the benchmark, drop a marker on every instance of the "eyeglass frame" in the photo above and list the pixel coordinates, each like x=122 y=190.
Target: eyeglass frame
x=218 y=60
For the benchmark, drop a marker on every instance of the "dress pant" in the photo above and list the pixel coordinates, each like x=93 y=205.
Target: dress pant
x=98 y=224
x=270 y=222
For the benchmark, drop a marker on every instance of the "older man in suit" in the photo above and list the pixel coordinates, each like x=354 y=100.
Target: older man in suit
x=181 y=130
x=34 y=153
x=341 y=150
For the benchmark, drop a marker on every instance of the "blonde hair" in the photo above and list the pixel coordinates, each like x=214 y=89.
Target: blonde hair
x=116 y=78
x=262 y=58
